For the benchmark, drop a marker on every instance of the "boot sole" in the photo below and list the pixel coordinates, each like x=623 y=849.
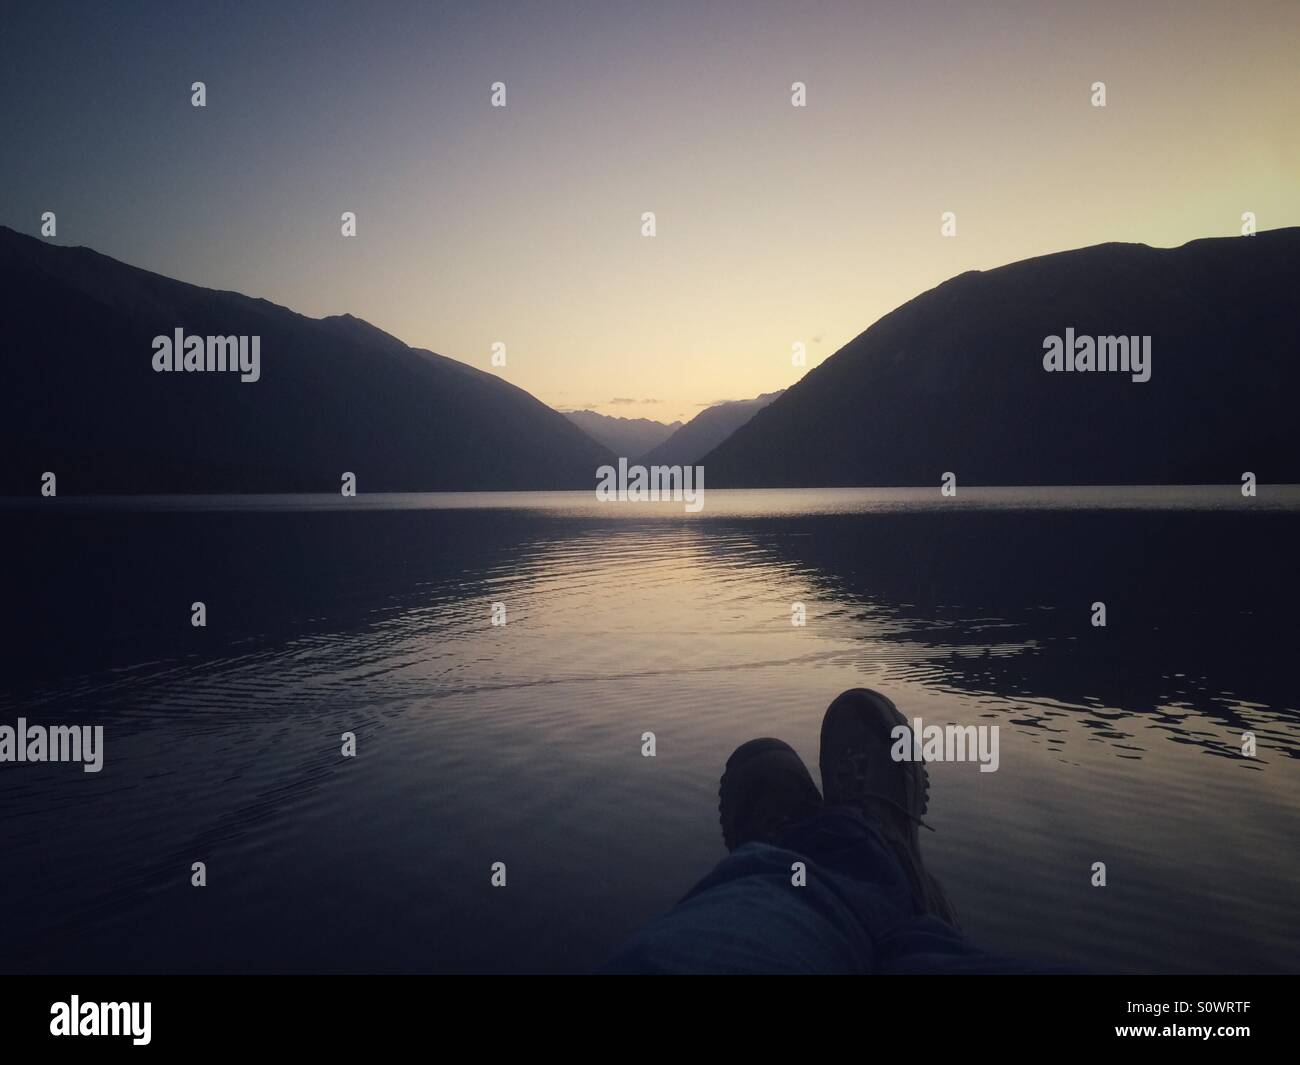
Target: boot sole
x=729 y=788
x=862 y=717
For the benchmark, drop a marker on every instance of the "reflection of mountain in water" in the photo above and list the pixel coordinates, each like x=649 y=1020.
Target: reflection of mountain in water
x=1200 y=609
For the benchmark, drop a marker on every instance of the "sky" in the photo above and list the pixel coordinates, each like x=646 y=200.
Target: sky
x=522 y=225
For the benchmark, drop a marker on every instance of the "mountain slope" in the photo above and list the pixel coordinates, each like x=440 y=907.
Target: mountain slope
x=954 y=380
x=335 y=395
x=706 y=431
x=627 y=437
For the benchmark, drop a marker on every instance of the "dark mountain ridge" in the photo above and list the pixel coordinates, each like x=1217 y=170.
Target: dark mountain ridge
x=335 y=395
x=954 y=381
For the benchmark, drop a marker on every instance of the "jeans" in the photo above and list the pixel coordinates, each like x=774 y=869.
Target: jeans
x=856 y=913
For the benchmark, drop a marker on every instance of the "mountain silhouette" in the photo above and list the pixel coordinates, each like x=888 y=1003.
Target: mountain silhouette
x=335 y=395
x=629 y=438
x=953 y=381
x=706 y=431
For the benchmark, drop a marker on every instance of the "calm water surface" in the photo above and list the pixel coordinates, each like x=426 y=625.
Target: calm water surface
x=522 y=743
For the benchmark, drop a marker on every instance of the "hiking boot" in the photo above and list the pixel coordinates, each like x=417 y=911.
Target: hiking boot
x=859 y=772
x=765 y=789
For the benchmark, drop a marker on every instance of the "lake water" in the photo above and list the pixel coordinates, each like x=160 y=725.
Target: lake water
x=522 y=743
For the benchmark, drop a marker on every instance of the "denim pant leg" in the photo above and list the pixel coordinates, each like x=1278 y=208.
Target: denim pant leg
x=854 y=914
x=850 y=852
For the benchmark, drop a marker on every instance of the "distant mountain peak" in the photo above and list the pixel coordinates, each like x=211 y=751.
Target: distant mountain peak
x=626 y=437
x=706 y=431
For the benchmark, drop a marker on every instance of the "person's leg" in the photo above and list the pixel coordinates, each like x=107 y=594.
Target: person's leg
x=851 y=854
x=812 y=887
x=860 y=733
x=859 y=772
x=769 y=907
x=748 y=917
